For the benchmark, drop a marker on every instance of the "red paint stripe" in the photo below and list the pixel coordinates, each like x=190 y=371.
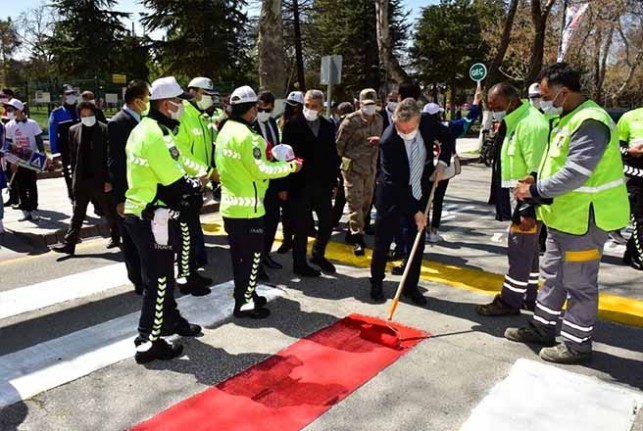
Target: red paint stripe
x=292 y=388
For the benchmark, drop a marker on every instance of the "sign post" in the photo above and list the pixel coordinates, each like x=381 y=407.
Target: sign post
x=331 y=74
x=478 y=72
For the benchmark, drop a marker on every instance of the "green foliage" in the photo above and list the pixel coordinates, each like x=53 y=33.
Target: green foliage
x=204 y=38
x=9 y=42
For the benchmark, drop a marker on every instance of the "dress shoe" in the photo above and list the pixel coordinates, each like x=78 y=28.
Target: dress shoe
x=64 y=249
x=147 y=351
x=113 y=243
x=324 y=264
x=415 y=296
x=306 y=271
x=269 y=262
x=260 y=301
x=285 y=247
x=360 y=249
x=193 y=288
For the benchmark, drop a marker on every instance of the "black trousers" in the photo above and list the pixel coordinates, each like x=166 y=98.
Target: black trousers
x=81 y=197
x=246 y=248
x=159 y=307
x=438 y=203
x=386 y=227
x=131 y=257
x=27 y=189
x=188 y=226
x=276 y=210
x=340 y=203
x=303 y=206
x=66 y=161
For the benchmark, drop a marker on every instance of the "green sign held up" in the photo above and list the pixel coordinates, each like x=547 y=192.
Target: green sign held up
x=478 y=72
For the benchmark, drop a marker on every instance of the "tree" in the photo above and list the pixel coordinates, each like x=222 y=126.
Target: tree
x=296 y=18
x=494 y=75
x=86 y=37
x=539 y=16
x=203 y=38
x=9 y=42
x=385 y=45
x=271 y=47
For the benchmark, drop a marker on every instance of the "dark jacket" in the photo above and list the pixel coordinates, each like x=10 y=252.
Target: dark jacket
x=321 y=163
x=393 y=192
x=280 y=184
x=97 y=156
x=386 y=122
x=118 y=131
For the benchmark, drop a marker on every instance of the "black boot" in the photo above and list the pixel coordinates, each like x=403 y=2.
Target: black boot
x=147 y=351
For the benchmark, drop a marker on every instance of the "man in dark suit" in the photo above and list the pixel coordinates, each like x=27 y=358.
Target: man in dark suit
x=403 y=187
x=313 y=139
x=90 y=180
x=389 y=109
x=137 y=98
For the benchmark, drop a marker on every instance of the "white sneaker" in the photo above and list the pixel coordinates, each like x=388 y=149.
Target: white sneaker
x=434 y=237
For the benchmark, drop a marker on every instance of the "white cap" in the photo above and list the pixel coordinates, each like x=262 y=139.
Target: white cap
x=432 y=108
x=295 y=97
x=243 y=94
x=534 y=90
x=204 y=83
x=283 y=153
x=167 y=88
x=15 y=103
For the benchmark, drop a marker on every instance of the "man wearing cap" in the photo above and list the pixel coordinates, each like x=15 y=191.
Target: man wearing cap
x=244 y=173
x=357 y=145
x=25 y=136
x=534 y=95
x=60 y=120
x=195 y=141
x=158 y=186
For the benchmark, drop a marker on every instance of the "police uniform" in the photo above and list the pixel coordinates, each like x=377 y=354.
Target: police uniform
x=60 y=120
x=244 y=173
x=158 y=184
x=521 y=153
x=630 y=131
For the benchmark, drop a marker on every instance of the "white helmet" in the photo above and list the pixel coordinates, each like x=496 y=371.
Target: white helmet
x=534 y=90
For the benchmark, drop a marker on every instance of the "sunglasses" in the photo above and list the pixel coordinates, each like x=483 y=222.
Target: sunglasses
x=264 y=110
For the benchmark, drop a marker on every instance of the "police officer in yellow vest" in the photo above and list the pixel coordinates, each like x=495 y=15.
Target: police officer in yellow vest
x=526 y=134
x=244 y=172
x=195 y=142
x=582 y=171
x=158 y=186
x=630 y=132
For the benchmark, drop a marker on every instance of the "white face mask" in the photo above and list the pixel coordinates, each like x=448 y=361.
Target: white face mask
x=71 y=99
x=391 y=106
x=310 y=114
x=88 y=121
x=368 y=110
x=11 y=116
x=535 y=102
x=408 y=136
x=549 y=108
x=263 y=116
x=176 y=115
x=205 y=102
x=498 y=116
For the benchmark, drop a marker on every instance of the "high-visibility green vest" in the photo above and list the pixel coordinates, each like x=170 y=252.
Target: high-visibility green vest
x=152 y=159
x=604 y=191
x=630 y=127
x=524 y=144
x=244 y=171
x=195 y=139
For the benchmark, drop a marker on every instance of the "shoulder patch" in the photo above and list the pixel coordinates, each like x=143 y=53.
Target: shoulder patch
x=174 y=152
x=257 y=153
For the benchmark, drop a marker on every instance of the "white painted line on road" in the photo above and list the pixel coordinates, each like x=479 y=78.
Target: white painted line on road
x=536 y=396
x=63 y=289
x=28 y=372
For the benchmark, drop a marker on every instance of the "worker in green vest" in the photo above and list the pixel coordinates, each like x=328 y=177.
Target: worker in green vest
x=630 y=132
x=525 y=132
x=582 y=172
x=158 y=187
x=195 y=141
x=244 y=172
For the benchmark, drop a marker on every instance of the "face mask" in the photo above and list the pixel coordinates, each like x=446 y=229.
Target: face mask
x=263 y=116
x=368 y=110
x=498 y=116
x=88 y=121
x=548 y=106
x=205 y=102
x=70 y=99
x=535 y=103
x=146 y=111
x=408 y=136
x=11 y=116
x=310 y=114
x=391 y=106
x=176 y=115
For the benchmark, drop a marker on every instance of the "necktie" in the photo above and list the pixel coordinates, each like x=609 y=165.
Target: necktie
x=417 y=168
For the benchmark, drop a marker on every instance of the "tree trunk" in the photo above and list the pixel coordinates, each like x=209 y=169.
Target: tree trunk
x=539 y=18
x=299 y=52
x=394 y=71
x=271 y=48
x=494 y=69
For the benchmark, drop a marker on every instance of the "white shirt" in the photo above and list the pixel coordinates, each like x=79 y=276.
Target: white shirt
x=23 y=134
x=270 y=137
x=409 y=150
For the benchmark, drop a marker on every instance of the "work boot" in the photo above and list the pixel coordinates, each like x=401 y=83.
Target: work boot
x=496 y=308
x=260 y=301
x=325 y=265
x=189 y=287
x=250 y=310
x=306 y=271
x=147 y=351
x=271 y=263
x=529 y=334
x=377 y=293
x=69 y=249
x=415 y=296
x=561 y=354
